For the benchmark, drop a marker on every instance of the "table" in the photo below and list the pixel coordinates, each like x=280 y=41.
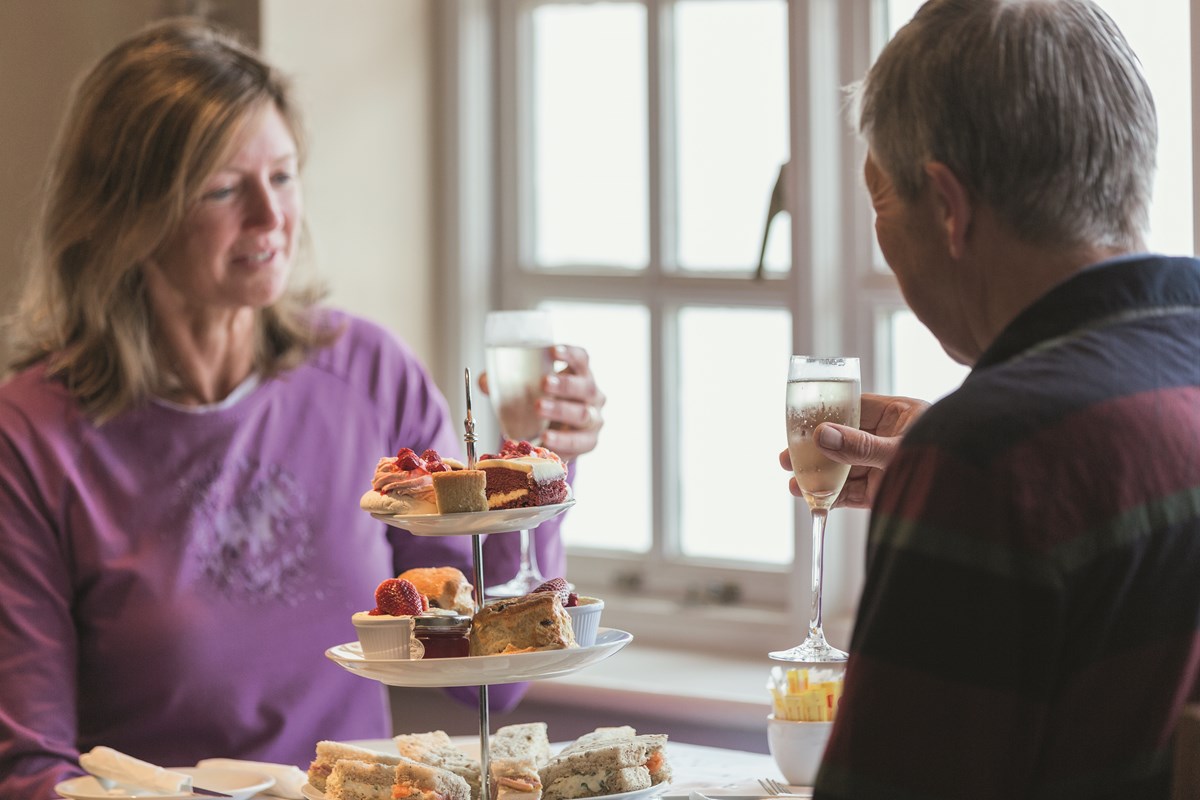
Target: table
x=700 y=767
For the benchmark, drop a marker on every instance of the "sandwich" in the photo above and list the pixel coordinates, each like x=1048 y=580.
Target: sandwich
x=516 y=752
x=611 y=766
x=514 y=779
x=422 y=782
x=407 y=780
x=329 y=753
x=656 y=762
x=599 y=735
x=360 y=780
x=437 y=749
x=527 y=741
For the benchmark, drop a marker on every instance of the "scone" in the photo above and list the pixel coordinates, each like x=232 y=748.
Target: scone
x=446 y=587
x=522 y=624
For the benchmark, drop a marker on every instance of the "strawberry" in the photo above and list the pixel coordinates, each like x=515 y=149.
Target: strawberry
x=572 y=600
x=559 y=585
x=399 y=598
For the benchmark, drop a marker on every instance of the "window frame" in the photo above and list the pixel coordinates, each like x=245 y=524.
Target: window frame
x=657 y=595
x=479 y=43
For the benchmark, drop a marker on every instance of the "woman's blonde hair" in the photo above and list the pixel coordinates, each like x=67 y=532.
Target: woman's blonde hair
x=147 y=126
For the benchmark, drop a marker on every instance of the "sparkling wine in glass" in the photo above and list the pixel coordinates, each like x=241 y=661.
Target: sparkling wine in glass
x=517 y=345
x=818 y=390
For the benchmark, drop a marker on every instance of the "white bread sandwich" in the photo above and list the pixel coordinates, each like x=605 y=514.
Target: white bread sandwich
x=360 y=780
x=514 y=779
x=613 y=766
x=599 y=735
x=516 y=754
x=437 y=749
x=329 y=753
x=422 y=782
x=527 y=741
x=408 y=780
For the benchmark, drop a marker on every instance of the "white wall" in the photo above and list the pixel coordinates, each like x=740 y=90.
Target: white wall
x=365 y=83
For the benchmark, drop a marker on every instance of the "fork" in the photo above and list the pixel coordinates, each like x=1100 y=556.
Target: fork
x=777 y=789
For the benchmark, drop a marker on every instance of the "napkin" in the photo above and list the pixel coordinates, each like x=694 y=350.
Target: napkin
x=288 y=778
x=111 y=765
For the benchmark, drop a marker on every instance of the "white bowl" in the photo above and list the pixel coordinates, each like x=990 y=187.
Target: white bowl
x=797 y=748
x=585 y=620
x=382 y=636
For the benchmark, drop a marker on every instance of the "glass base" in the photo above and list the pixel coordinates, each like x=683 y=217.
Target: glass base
x=811 y=651
x=523 y=582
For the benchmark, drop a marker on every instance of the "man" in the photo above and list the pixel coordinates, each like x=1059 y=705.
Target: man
x=1030 y=619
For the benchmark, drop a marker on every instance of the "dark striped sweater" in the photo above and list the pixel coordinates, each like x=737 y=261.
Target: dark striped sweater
x=1030 y=620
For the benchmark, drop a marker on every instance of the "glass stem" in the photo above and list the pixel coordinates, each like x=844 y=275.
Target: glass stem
x=528 y=554
x=819 y=515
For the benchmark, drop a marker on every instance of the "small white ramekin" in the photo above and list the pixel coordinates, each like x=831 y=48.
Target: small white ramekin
x=585 y=620
x=382 y=636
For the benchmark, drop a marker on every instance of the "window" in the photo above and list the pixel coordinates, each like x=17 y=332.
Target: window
x=637 y=147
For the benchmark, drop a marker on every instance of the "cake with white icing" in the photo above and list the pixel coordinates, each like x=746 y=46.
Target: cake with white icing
x=522 y=475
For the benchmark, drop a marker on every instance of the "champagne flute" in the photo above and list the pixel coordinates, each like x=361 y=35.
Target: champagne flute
x=517 y=345
x=818 y=390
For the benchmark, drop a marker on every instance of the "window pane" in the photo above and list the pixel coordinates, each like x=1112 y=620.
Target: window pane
x=920 y=367
x=731 y=104
x=734 y=502
x=615 y=337
x=589 y=136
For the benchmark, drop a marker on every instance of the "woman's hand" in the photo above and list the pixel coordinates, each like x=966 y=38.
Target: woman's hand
x=572 y=403
x=868 y=449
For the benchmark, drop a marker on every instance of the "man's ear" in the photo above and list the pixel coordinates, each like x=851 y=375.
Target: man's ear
x=952 y=203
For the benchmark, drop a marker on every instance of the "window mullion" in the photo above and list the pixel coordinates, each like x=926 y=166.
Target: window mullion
x=662 y=200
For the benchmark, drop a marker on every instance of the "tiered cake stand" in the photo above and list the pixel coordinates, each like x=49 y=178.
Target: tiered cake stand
x=480 y=671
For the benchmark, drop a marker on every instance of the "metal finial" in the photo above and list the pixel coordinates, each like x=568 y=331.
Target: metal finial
x=469 y=422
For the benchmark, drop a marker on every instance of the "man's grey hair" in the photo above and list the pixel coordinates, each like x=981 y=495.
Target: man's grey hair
x=1039 y=107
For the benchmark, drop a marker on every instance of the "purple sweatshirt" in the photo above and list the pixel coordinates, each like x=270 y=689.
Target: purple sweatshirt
x=170 y=580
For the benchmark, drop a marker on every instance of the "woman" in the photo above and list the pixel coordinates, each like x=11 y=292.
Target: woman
x=184 y=443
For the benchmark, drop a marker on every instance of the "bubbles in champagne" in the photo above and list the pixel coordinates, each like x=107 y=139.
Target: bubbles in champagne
x=809 y=403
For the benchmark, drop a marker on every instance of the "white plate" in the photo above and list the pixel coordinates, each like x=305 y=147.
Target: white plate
x=472 y=522
x=478 y=670
x=241 y=784
x=316 y=794
x=647 y=792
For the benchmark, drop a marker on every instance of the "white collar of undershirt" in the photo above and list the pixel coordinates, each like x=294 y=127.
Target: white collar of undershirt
x=241 y=391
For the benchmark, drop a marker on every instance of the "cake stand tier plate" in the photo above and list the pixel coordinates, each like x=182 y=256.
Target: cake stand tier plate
x=478 y=670
x=474 y=522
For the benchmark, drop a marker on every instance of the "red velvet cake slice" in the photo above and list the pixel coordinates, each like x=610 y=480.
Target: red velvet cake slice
x=523 y=475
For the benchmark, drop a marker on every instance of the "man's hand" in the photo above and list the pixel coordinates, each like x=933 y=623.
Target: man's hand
x=868 y=449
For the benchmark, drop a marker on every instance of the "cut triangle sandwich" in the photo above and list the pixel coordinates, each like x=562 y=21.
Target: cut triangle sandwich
x=408 y=780
x=437 y=749
x=329 y=753
x=529 y=741
x=610 y=766
x=516 y=753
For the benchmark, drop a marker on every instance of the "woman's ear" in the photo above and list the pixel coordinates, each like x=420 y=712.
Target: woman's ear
x=952 y=203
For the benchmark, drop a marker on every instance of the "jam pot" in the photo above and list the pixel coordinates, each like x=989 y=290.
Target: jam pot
x=444 y=635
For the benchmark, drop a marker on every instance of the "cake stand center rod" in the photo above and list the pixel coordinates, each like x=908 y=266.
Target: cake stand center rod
x=477 y=558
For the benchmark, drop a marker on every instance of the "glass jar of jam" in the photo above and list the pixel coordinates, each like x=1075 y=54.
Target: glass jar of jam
x=445 y=635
